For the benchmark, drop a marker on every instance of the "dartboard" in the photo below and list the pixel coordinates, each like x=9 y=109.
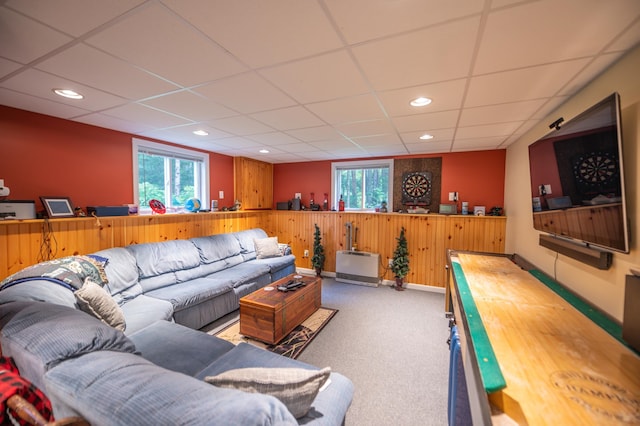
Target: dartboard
x=416 y=187
x=595 y=168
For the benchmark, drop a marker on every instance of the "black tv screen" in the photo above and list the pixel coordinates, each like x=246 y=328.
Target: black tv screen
x=577 y=179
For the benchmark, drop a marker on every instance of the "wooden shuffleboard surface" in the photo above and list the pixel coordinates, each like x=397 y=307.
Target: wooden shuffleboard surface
x=559 y=367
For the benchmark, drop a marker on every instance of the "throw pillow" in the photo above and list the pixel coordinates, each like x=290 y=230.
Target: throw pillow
x=267 y=247
x=94 y=300
x=295 y=387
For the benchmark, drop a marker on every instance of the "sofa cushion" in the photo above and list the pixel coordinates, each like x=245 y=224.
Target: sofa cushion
x=267 y=247
x=125 y=389
x=121 y=270
x=41 y=335
x=38 y=291
x=192 y=292
x=179 y=348
x=95 y=301
x=245 y=273
x=157 y=262
x=295 y=387
x=218 y=247
x=245 y=238
x=143 y=310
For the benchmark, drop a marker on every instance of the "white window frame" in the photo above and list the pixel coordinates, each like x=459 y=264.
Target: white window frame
x=201 y=176
x=363 y=164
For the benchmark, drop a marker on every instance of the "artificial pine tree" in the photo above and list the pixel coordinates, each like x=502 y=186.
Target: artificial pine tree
x=317 y=261
x=400 y=264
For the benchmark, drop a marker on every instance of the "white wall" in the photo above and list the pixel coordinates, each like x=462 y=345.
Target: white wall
x=604 y=289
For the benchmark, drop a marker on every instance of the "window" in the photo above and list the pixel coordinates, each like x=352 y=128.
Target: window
x=363 y=185
x=169 y=174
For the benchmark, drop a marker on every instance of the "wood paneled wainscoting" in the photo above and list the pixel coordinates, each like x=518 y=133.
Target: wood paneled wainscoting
x=428 y=238
x=26 y=242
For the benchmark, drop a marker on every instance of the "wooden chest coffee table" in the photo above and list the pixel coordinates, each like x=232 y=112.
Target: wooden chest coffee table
x=269 y=316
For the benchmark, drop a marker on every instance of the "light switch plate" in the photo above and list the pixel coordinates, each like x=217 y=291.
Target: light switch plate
x=221 y=195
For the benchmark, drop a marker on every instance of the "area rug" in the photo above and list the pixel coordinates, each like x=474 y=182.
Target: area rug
x=294 y=343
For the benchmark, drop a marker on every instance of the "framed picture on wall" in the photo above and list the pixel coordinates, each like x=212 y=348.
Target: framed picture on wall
x=57 y=206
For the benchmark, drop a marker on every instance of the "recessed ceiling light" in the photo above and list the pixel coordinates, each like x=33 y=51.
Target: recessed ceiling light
x=67 y=93
x=426 y=137
x=264 y=151
x=200 y=132
x=418 y=102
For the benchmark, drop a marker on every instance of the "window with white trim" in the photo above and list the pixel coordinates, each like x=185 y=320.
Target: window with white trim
x=363 y=185
x=170 y=174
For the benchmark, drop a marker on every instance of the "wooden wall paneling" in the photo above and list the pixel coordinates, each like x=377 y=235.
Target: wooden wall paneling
x=428 y=236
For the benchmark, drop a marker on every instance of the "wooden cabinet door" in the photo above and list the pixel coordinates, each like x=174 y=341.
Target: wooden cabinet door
x=253 y=183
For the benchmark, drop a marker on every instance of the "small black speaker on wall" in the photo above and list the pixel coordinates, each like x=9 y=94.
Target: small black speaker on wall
x=597 y=258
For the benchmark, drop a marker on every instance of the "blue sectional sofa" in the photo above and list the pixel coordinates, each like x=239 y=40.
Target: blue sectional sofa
x=151 y=366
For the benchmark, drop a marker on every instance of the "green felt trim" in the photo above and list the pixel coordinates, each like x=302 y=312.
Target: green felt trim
x=492 y=378
x=599 y=318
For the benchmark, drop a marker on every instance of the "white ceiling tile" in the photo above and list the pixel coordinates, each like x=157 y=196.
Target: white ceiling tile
x=377 y=140
x=25 y=40
x=190 y=105
x=7 y=67
x=381 y=150
x=262 y=33
x=444 y=96
x=333 y=145
x=501 y=129
x=477 y=144
x=246 y=93
x=627 y=40
x=416 y=59
x=41 y=84
x=524 y=84
x=361 y=20
x=441 y=135
x=311 y=134
x=531 y=43
x=550 y=105
x=323 y=77
x=366 y=128
x=109 y=122
x=596 y=67
x=288 y=118
x=238 y=143
x=148 y=37
x=184 y=134
x=356 y=108
x=93 y=68
x=240 y=125
x=514 y=111
x=74 y=17
x=429 y=147
x=297 y=147
x=316 y=156
x=39 y=105
x=274 y=138
x=427 y=122
x=150 y=116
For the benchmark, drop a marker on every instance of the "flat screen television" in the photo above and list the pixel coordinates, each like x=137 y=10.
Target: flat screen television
x=577 y=179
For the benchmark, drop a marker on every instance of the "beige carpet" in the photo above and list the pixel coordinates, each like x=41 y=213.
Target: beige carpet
x=294 y=343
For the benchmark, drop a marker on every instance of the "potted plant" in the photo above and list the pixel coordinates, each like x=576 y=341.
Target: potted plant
x=400 y=263
x=317 y=261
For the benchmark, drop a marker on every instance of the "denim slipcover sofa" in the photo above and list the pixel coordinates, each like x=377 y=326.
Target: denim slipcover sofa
x=154 y=371
x=192 y=282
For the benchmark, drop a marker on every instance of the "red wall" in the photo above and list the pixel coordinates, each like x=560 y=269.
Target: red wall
x=477 y=176
x=43 y=155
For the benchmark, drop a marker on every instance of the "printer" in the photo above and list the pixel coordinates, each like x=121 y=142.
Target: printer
x=17 y=209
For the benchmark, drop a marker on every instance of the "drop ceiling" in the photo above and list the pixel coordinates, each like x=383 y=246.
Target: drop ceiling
x=310 y=80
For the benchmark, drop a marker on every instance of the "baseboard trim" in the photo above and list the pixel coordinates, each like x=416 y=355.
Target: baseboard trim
x=388 y=283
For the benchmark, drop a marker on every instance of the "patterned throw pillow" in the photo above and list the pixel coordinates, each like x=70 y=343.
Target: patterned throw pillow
x=295 y=387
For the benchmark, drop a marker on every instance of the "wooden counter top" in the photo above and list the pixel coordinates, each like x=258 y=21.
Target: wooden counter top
x=559 y=367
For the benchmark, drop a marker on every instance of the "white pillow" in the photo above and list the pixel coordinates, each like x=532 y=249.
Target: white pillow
x=295 y=387
x=267 y=247
x=95 y=301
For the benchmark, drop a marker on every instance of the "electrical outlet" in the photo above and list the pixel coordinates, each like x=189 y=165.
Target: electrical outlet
x=306 y=253
x=390 y=260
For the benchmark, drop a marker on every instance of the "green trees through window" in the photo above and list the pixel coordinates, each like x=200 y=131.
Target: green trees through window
x=364 y=185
